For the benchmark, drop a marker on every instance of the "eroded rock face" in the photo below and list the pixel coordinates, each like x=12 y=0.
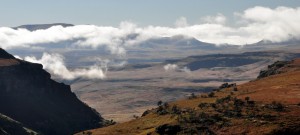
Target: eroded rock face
x=30 y=96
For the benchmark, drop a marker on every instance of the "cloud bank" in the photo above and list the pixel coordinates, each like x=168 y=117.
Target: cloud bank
x=259 y=23
x=252 y=25
x=54 y=63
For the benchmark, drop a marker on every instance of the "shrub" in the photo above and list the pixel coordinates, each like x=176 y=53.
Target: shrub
x=213 y=105
x=238 y=102
x=211 y=94
x=166 y=105
x=159 y=103
x=277 y=106
x=222 y=100
x=202 y=105
x=251 y=103
x=161 y=110
x=175 y=110
x=146 y=113
x=203 y=96
x=193 y=96
x=135 y=116
x=109 y=122
x=168 y=129
x=247 y=98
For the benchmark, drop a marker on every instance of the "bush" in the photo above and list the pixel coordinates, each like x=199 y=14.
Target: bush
x=166 y=105
x=202 y=105
x=238 y=102
x=247 y=98
x=213 y=105
x=175 y=110
x=109 y=123
x=211 y=94
x=161 y=110
x=277 y=106
x=135 y=116
x=146 y=113
x=222 y=100
x=159 y=103
x=168 y=129
x=203 y=96
x=193 y=96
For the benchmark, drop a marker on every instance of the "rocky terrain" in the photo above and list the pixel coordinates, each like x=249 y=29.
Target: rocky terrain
x=30 y=98
x=266 y=105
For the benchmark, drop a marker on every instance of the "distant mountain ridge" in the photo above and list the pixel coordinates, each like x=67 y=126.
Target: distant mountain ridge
x=34 y=27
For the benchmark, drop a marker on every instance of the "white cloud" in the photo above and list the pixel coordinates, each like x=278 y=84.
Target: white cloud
x=181 y=22
x=54 y=63
x=276 y=25
x=175 y=67
x=170 y=67
x=186 y=69
x=218 y=19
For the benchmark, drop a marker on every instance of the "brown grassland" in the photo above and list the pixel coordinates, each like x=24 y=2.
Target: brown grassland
x=269 y=105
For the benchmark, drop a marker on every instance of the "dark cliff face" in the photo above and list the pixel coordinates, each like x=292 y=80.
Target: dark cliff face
x=30 y=96
x=5 y=55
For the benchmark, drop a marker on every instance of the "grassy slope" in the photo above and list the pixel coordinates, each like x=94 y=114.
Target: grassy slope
x=283 y=88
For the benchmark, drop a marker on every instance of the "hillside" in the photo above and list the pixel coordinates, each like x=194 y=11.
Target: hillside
x=29 y=95
x=267 y=105
x=132 y=89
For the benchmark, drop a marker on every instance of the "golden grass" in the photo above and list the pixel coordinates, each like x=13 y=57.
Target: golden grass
x=140 y=126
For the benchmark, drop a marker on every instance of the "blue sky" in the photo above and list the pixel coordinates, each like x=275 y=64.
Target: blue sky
x=112 y=12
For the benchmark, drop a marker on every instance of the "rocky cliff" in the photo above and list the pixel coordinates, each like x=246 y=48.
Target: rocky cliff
x=30 y=96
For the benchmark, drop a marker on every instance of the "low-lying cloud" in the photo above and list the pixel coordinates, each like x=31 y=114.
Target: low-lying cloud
x=175 y=67
x=258 y=23
x=252 y=25
x=54 y=63
x=170 y=67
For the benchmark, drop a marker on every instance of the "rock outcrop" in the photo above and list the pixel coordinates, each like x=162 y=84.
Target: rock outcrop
x=273 y=69
x=30 y=96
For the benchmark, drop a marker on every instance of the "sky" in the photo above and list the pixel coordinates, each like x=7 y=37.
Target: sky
x=112 y=12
